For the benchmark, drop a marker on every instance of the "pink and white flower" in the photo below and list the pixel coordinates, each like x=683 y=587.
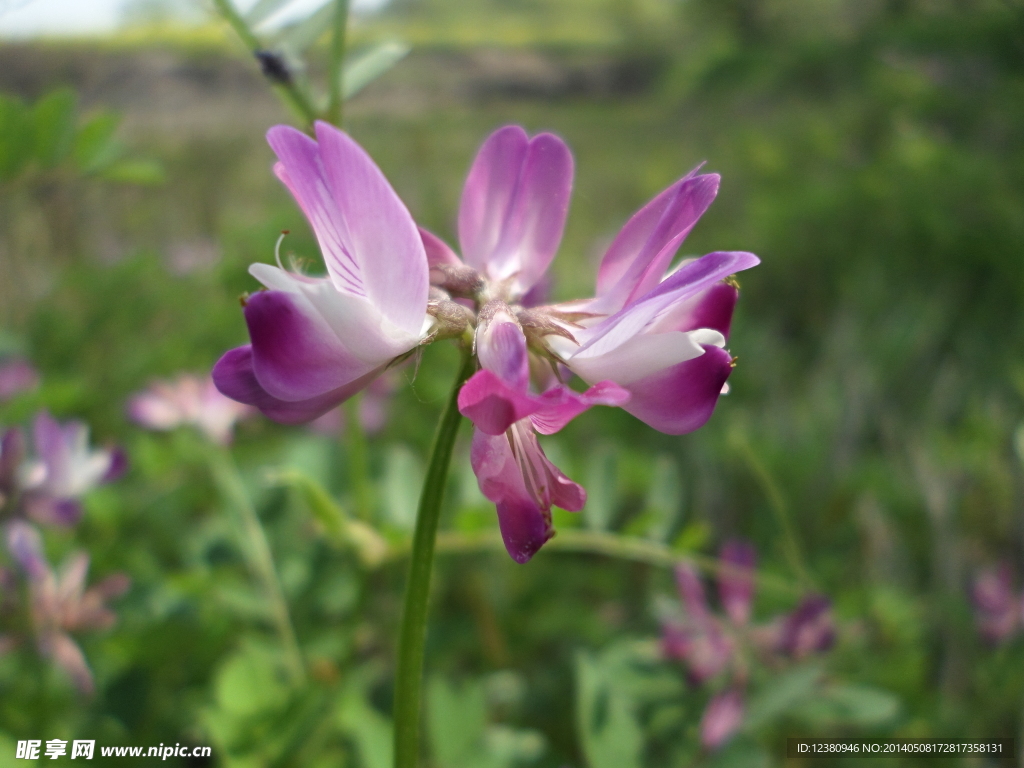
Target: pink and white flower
x=315 y=341
x=191 y=400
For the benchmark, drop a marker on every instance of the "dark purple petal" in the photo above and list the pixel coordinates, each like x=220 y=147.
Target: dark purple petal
x=235 y=378
x=736 y=579
x=295 y=355
x=682 y=398
x=808 y=629
x=722 y=717
x=492 y=405
x=712 y=308
x=118 y=465
x=46 y=509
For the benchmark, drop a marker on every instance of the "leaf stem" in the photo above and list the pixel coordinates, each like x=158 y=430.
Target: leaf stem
x=258 y=555
x=409 y=676
x=358 y=465
x=336 y=74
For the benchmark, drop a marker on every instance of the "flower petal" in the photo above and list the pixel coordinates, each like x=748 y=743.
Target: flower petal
x=560 y=405
x=645 y=355
x=437 y=250
x=514 y=205
x=492 y=405
x=682 y=398
x=234 y=376
x=639 y=255
x=712 y=308
x=296 y=355
x=736 y=579
x=722 y=717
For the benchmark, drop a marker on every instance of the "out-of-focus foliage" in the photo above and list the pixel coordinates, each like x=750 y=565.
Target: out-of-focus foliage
x=871 y=154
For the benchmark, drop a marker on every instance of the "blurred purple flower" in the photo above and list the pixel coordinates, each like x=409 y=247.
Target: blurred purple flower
x=16 y=376
x=60 y=603
x=188 y=400
x=64 y=470
x=317 y=341
x=722 y=717
x=999 y=611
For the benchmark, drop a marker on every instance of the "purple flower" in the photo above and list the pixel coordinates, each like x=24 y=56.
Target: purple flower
x=188 y=400
x=998 y=609
x=315 y=341
x=60 y=603
x=16 y=376
x=722 y=717
x=64 y=470
x=700 y=640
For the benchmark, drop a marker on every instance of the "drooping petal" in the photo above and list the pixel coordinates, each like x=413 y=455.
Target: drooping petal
x=736 y=579
x=639 y=255
x=514 y=205
x=492 y=405
x=234 y=376
x=560 y=405
x=370 y=243
x=682 y=398
x=722 y=717
x=295 y=353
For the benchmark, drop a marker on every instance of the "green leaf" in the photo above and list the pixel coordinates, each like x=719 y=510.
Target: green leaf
x=853 y=705
x=16 y=137
x=602 y=487
x=251 y=682
x=784 y=694
x=296 y=38
x=53 y=119
x=403 y=477
x=95 y=146
x=262 y=11
x=368 y=728
x=457 y=720
x=142 y=172
x=363 y=68
x=608 y=729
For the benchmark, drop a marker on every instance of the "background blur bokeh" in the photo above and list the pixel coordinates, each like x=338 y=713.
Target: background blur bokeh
x=872 y=154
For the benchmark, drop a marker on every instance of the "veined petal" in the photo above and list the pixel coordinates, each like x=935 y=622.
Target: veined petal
x=514 y=205
x=370 y=243
x=380 y=232
x=639 y=255
x=295 y=353
x=682 y=398
x=234 y=376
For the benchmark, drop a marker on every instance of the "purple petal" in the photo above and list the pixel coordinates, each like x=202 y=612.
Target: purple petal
x=560 y=405
x=736 y=579
x=296 y=356
x=686 y=282
x=682 y=398
x=514 y=205
x=235 y=378
x=492 y=405
x=722 y=717
x=712 y=308
x=371 y=245
x=692 y=592
x=47 y=509
x=118 y=465
x=808 y=629
x=16 y=376
x=501 y=348
x=640 y=254
x=26 y=547
x=998 y=610
x=437 y=250
x=68 y=656
x=12 y=454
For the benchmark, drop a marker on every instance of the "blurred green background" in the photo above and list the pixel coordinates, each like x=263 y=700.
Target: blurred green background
x=872 y=154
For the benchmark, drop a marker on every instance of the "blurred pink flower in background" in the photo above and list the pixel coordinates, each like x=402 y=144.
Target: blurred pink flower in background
x=373 y=408
x=999 y=610
x=713 y=646
x=60 y=603
x=188 y=400
x=16 y=376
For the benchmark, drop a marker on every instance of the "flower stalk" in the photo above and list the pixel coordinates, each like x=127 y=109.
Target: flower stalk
x=409 y=676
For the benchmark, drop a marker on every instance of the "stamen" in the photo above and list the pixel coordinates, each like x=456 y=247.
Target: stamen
x=277 y=249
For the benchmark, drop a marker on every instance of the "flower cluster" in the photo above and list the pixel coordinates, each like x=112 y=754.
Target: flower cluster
x=188 y=400
x=651 y=340
x=723 y=647
x=999 y=610
x=46 y=488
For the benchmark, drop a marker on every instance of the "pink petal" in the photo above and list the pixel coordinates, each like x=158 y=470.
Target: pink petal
x=68 y=656
x=639 y=255
x=437 y=250
x=492 y=405
x=736 y=579
x=722 y=718
x=560 y=405
x=233 y=374
x=682 y=398
x=296 y=355
x=514 y=205
x=501 y=348
x=692 y=592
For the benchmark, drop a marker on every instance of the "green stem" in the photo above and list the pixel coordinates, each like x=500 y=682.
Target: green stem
x=289 y=92
x=259 y=556
x=409 y=677
x=359 y=471
x=336 y=75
